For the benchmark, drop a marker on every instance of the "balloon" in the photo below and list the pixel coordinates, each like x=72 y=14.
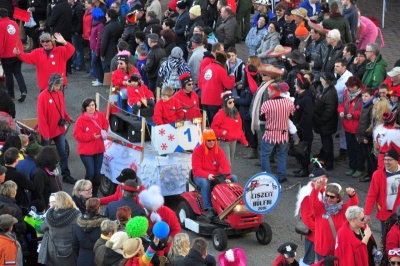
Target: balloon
x=161 y=230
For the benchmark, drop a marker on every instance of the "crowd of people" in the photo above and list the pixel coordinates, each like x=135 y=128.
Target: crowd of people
x=313 y=68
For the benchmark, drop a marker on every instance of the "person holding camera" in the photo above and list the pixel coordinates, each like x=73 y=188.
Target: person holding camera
x=52 y=118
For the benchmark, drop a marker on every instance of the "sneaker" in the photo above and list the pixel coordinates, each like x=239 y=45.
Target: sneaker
x=69 y=180
x=97 y=84
x=350 y=172
x=357 y=174
x=21 y=99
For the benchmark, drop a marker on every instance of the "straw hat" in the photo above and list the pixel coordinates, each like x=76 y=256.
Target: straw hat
x=317 y=27
x=300 y=12
x=278 y=51
x=270 y=70
x=131 y=247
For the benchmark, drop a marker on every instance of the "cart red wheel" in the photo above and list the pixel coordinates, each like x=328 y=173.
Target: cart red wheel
x=219 y=239
x=185 y=211
x=264 y=234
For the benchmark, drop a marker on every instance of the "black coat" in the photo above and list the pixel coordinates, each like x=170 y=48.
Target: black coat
x=181 y=23
x=86 y=233
x=359 y=69
x=23 y=184
x=211 y=14
x=40 y=9
x=168 y=48
x=109 y=40
x=45 y=184
x=303 y=116
x=20 y=226
x=244 y=102
x=291 y=76
x=77 y=18
x=332 y=55
x=365 y=122
x=325 y=120
x=154 y=21
x=156 y=53
x=194 y=258
x=129 y=36
x=193 y=23
x=288 y=38
x=6 y=103
x=60 y=19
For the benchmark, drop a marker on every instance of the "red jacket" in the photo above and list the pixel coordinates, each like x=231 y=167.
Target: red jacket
x=393 y=238
x=386 y=138
x=324 y=243
x=216 y=80
x=349 y=249
x=205 y=62
x=118 y=195
x=87 y=24
x=233 y=127
x=307 y=217
x=48 y=106
x=9 y=31
x=84 y=131
x=377 y=194
x=211 y=162
x=351 y=107
x=46 y=65
x=190 y=104
x=136 y=94
x=389 y=82
x=119 y=76
x=164 y=112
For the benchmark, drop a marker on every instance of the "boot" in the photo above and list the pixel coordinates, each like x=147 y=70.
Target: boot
x=303 y=173
x=253 y=154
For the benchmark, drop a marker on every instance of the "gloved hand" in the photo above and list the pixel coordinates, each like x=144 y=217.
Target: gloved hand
x=159 y=244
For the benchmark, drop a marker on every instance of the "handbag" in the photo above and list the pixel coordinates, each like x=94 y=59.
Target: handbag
x=103 y=132
x=298 y=150
x=31 y=23
x=301 y=228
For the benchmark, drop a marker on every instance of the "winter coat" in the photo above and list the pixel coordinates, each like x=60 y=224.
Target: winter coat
x=99 y=250
x=211 y=14
x=45 y=184
x=288 y=37
x=129 y=36
x=225 y=32
x=58 y=228
x=359 y=69
x=232 y=126
x=111 y=211
x=375 y=73
x=7 y=105
x=119 y=76
x=325 y=119
x=156 y=53
x=109 y=40
x=254 y=39
x=244 y=101
x=316 y=52
x=189 y=102
x=193 y=258
x=332 y=55
x=351 y=107
x=8 y=249
x=193 y=23
x=168 y=48
x=47 y=64
x=208 y=57
x=291 y=77
x=87 y=24
x=60 y=19
x=351 y=15
x=95 y=36
x=168 y=67
x=237 y=69
x=136 y=94
x=77 y=18
x=303 y=116
x=181 y=23
x=50 y=109
x=365 y=122
x=149 y=23
x=164 y=112
x=336 y=21
x=23 y=183
x=20 y=226
x=195 y=62
x=86 y=233
x=112 y=258
x=84 y=131
x=377 y=196
x=27 y=166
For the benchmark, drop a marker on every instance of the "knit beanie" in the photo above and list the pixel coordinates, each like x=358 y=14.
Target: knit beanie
x=117 y=240
x=195 y=10
x=226 y=96
x=392 y=153
x=124 y=56
x=301 y=30
x=185 y=78
x=388 y=118
x=209 y=134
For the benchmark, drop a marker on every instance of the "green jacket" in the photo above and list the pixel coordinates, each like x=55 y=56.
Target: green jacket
x=375 y=73
x=336 y=21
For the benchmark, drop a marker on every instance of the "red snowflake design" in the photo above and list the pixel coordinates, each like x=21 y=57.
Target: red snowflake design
x=171 y=137
x=161 y=132
x=164 y=146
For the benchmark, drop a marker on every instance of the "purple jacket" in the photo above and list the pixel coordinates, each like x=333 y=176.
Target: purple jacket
x=95 y=36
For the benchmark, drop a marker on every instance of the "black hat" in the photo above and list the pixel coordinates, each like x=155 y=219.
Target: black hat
x=139 y=8
x=288 y=11
x=288 y=249
x=197 y=38
x=126 y=174
x=297 y=57
x=328 y=77
x=207 y=30
x=135 y=77
x=185 y=78
x=226 y=96
x=392 y=153
x=318 y=172
x=3 y=170
x=131 y=186
x=181 y=4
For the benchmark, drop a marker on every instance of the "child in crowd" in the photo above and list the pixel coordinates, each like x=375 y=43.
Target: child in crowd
x=139 y=95
x=120 y=77
x=167 y=109
x=39 y=31
x=287 y=255
x=141 y=55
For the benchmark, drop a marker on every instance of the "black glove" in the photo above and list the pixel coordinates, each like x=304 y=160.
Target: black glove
x=161 y=244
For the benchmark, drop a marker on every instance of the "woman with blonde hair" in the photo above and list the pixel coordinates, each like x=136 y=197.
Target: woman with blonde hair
x=179 y=249
x=8 y=191
x=81 y=192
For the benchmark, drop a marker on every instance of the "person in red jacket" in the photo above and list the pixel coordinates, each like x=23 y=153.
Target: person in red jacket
x=152 y=201
x=87 y=20
x=9 y=32
x=87 y=132
x=167 y=109
x=216 y=80
x=9 y=246
x=393 y=236
x=287 y=256
x=208 y=160
x=227 y=125
x=331 y=208
x=188 y=98
x=383 y=192
x=120 y=77
x=49 y=59
x=139 y=94
x=354 y=242
x=52 y=117
x=350 y=110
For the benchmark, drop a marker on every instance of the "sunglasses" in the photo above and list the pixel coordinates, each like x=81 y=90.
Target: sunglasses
x=395 y=263
x=45 y=41
x=210 y=140
x=190 y=84
x=393 y=252
x=230 y=102
x=330 y=196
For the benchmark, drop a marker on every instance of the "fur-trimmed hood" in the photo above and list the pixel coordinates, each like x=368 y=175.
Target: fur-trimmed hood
x=89 y=225
x=303 y=192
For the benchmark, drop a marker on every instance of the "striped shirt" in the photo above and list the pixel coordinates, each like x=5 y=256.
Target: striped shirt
x=277 y=112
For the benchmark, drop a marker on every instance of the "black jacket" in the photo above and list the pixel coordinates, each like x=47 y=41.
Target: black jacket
x=211 y=14
x=40 y=9
x=23 y=184
x=77 y=18
x=365 y=122
x=155 y=21
x=288 y=38
x=20 y=226
x=60 y=19
x=193 y=258
x=181 y=23
x=129 y=36
x=332 y=55
x=7 y=105
x=45 y=184
x=303 y=116
x=109 y=40
x=325 y=118
x=193 y=23
x=291 y=76
x=168 y=48
x=359 y=69
x=156 y=53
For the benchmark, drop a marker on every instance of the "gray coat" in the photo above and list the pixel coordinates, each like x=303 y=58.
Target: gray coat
x=58 y=228
x=226 y=32
x=270 y=41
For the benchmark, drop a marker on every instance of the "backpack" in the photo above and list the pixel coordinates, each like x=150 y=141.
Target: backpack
x=173 y=80
x=388 y=225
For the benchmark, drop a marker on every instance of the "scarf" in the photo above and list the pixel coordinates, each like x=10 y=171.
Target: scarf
x=252 y=83
x=91 y=117
x=353 y=95
x=368 y=102
x=62 y=217
x=331 y=209
x=256 y=105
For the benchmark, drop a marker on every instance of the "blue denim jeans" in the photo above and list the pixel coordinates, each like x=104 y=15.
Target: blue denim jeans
x=106 y=66
x=152 y=85
x=60 y=144
x=309 y=253
x=205 y=190
x=97 y=67
x=78 y=60
x=93 y=165
x=281 y=152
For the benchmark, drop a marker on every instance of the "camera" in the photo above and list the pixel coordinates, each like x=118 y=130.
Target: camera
x=61 y=122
